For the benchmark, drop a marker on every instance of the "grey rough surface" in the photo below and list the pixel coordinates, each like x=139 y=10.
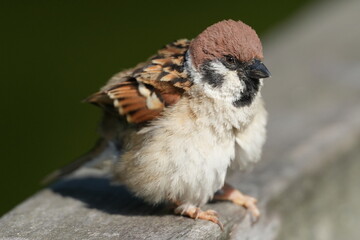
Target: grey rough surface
x=314 y=102
x=323 y=206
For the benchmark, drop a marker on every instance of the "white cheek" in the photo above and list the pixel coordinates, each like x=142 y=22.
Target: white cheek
x=231 y=88
x=229 y=91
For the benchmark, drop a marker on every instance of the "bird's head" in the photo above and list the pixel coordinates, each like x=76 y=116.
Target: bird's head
x=225 y=60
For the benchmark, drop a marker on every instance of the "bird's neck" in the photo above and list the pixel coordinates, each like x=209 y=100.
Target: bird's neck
x=217 y=112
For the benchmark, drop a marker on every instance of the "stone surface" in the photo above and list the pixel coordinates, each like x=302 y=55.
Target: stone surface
x=323 y=206
x=314 y=102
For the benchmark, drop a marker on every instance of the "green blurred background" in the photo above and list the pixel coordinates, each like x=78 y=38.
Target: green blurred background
x=55 y=53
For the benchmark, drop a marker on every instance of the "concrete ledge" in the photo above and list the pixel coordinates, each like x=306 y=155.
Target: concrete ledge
x=314 y=131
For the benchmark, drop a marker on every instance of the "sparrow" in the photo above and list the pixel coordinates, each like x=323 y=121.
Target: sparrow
x=185 y=118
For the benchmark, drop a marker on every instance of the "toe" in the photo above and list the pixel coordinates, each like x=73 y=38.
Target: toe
x=210 y=217
x=212 y=212
x=250 y=204
x=196 y=213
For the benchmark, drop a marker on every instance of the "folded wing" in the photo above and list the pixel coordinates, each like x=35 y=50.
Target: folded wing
x=141 y=94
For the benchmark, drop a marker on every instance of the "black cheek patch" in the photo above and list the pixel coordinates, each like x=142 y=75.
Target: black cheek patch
x=249 y=93
x=210 y=76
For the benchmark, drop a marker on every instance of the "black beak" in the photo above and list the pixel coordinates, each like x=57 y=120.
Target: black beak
x=258 y=70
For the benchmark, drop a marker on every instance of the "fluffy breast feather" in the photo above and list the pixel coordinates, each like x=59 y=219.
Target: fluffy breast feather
x=250 y=140
x=184 y=155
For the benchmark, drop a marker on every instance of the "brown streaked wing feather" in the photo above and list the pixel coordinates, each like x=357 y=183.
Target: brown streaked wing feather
x=143 y=115
x=141 y=94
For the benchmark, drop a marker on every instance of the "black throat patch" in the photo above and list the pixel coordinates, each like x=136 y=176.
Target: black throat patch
x=249 y=93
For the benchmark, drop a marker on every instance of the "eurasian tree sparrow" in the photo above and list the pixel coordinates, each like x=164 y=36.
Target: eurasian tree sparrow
x=184 y=117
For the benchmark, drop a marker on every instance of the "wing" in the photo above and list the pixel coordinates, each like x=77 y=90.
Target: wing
x=142 y=93
x=139 y=95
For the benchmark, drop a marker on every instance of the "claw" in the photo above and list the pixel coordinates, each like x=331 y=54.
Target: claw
x=197 y=213
x=213 y=212
x=231 y=194
x=211 y=217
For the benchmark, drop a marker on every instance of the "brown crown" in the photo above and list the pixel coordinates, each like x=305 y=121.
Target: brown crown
x=227 y=37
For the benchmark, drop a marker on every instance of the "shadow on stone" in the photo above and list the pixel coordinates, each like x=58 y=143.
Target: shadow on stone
x=99 y=193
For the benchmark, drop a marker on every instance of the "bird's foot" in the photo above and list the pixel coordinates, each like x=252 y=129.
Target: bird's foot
x=196 y=213
x=228 y=193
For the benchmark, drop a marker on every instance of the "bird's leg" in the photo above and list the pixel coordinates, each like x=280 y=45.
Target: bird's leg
x=228 y=193
x=196 y=213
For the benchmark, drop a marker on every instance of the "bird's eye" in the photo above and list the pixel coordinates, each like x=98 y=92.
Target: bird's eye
x=230 y=62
